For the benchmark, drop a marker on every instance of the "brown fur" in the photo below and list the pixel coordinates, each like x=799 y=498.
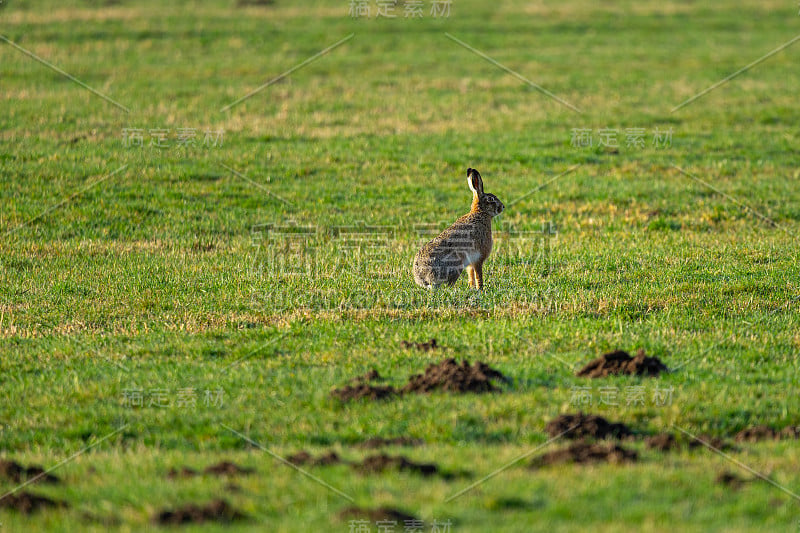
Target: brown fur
x=465 y=244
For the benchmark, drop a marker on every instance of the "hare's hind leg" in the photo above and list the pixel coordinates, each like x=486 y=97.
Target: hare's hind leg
x=476 y=269
x=471 y=273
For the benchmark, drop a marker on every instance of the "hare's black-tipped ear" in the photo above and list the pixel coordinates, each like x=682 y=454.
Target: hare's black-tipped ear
x=475 y=181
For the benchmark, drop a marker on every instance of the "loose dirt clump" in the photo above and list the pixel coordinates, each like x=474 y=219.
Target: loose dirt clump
x=667 y=441
x=360 y=387
x=224 y=468
x=713 y=442
x=377 y=515
x=790 y=432
x=578 y=426
x=758 y=433
x=729 y=479
x=380 y=442
x=300 y=458
x=216 y=510
x=328 y=458
x=379 y=463
x=17 y=473
x=364 y=390
x=27 y=503
x=663 y=442
x=303 y=458
x=586 y=452
x=421 y=346
x=451 y=376
x=371 y=464
x=620 y=362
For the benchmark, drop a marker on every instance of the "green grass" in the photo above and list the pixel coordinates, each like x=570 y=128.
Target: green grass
x=168 y=275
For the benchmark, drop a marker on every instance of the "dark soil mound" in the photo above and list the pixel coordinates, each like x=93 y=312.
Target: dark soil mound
x=667 y=441
x=451 y=376
x=371 y=464
x=380 y=442
x=216 y=510
x=448 y=375
x=377 y=515
x=421 y=346
x=360 y=388
x=302 y=458
x=226 y=468
x=379 y=463
x=27 y=503
x=17 y=473
x=757 y=433
x=620 y=362
x=729 y=479
x=713 y=442
x=790 y=432
x=663 y=442
x=364 y=390
x=578 y=426
x=585 y=452
x=183 y=472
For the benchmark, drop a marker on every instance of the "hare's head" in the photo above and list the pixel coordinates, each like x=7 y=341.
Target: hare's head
x=484 y=202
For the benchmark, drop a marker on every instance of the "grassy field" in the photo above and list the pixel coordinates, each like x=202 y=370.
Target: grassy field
x=185 y=275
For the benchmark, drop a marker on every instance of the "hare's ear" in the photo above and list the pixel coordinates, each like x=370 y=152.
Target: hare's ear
x=475 y=181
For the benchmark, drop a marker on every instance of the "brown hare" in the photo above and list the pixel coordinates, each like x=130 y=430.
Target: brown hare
x=465 y=244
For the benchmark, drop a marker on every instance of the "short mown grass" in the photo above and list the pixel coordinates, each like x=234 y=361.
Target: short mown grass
x=183 y=299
